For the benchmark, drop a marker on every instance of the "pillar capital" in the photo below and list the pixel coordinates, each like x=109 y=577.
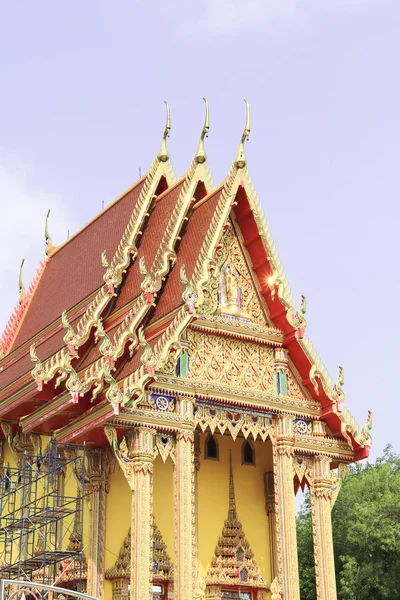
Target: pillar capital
x=100 y=464
x=285 y=437
x=322 y=478
x=135 y=452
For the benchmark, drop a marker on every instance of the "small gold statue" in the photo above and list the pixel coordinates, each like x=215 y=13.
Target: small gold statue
x=229 y=293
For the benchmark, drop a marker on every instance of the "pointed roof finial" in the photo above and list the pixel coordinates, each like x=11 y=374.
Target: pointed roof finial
x=163 y=155
x=240 y=160
x=47 y=237
x=232 y=501
x=21 y=286
x=201 y=155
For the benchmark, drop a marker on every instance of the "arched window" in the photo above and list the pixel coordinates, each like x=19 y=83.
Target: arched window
x=248 y=456
x=211 y=447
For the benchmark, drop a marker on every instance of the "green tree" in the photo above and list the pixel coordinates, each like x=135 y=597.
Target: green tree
x=366 y=533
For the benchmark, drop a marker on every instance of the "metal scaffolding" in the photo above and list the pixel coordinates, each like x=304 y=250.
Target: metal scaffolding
x=40 y=513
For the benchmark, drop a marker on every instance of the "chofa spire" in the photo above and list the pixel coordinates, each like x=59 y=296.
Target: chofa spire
x=21 y=286
x=47 y=236
x=163 y=155
x=240 y=160
x=201 y=156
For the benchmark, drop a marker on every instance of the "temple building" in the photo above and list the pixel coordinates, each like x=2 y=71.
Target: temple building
x=161 y=403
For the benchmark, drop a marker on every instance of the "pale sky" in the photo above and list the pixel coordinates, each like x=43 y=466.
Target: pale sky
x=82 y=90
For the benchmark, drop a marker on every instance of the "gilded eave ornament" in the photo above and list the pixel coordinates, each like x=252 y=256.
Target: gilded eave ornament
x=163 y=155
x=299 y=320
x=201 y=156
x=240 y=160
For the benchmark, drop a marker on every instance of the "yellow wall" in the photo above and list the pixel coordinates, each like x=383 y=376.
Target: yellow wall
x=213 y=497
x=118 y=520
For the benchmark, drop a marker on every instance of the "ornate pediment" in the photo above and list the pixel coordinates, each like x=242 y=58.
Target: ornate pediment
x=231 y=289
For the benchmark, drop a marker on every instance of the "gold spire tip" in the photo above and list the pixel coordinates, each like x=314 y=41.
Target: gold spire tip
x=163 y=155
x=232 y=500
x=201 y=156
x=240 y=160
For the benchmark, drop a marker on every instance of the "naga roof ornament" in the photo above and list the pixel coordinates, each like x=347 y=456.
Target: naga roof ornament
x=337 y=392
x=240 y=160
x=201 y=155
x=163 y=155
x=299 y=320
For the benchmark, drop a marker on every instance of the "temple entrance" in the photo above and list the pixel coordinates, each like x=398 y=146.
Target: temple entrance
x=233 y=525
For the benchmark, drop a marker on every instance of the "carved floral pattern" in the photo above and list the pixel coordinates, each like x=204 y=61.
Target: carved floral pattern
x=221 y=360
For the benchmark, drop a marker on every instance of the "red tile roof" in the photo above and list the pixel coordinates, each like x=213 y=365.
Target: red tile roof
x=188 y=253
x=150 y=242
x=75 y=270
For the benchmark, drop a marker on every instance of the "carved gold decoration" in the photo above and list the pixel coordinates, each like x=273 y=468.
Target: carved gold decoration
x=165 y=446
x=365 y=439
x=270 y=509
x=162 y=567
x=276 y=590
x=294 y=389
x=221 y=360
x=235 y=421
x=233 y=563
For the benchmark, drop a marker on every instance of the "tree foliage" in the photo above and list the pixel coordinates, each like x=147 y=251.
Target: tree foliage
x=366 y=533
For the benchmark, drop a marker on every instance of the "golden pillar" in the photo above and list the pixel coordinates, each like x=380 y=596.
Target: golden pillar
x=100 y=462
x=135 y=456
x=269 y=489
x=321 y=503
x=287 y=560
x=185 y=507
x=142 y=444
